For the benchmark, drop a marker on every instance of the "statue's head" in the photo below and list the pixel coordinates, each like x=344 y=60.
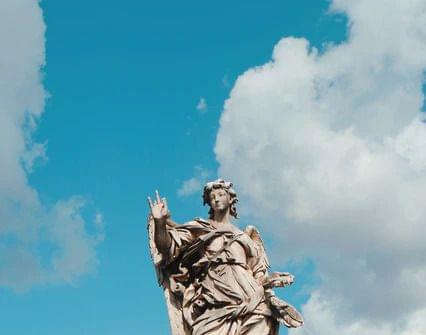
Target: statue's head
x=220 y=195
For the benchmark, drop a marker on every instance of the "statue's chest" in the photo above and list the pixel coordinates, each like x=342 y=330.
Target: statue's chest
x=227 y=248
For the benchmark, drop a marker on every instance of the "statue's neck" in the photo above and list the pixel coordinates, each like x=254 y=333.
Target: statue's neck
x=222 y=217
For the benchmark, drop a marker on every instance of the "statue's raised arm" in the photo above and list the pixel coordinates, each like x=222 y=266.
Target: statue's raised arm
x=214 y=275
x=160 y=214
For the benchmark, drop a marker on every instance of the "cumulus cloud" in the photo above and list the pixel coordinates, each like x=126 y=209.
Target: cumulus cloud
x=327 y=150
x=202 y=105
x=323 y=317
x=39 y=243
x=194 y=184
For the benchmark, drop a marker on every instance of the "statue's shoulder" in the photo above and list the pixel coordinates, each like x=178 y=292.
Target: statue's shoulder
x=202 y=221
x=196 y=224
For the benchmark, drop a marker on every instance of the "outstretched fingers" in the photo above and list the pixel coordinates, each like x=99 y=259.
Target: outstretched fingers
x=158 y=202
x=150 y=203
x=158 y=197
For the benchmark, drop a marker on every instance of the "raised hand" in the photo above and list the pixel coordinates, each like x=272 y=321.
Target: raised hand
x=159 y=209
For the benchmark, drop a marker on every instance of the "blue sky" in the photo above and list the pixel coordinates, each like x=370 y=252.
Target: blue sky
x=124 y=81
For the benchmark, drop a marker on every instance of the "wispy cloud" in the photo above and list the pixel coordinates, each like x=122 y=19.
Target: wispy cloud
x=332 y=144
x=194 y=184
x=99 y=219
x=202 y=105
x=39 y=243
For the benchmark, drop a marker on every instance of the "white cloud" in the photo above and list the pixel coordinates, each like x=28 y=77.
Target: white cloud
x=196 y=183
x=328 y=151
x=38 y=243
x=322 y=318
x=202 y=105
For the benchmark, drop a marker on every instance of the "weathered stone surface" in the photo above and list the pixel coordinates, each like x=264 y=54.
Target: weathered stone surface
x=214 y=275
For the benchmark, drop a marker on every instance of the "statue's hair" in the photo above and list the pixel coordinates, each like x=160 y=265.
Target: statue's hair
x=224 y=185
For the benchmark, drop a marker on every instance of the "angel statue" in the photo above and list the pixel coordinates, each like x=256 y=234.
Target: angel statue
x=214 y=275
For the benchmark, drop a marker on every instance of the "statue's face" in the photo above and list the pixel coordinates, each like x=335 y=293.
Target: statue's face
x=219 y=200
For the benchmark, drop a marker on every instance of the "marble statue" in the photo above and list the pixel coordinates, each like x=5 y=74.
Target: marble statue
x=214 y=275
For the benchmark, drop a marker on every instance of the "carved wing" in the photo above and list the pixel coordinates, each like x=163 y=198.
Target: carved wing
x=255 y=236
x=173 y=301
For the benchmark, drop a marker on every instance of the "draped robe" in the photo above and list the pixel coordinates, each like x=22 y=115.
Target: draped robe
x=212 y=276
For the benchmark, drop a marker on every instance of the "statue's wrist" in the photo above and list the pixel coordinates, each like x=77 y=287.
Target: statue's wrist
x=161 y=221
